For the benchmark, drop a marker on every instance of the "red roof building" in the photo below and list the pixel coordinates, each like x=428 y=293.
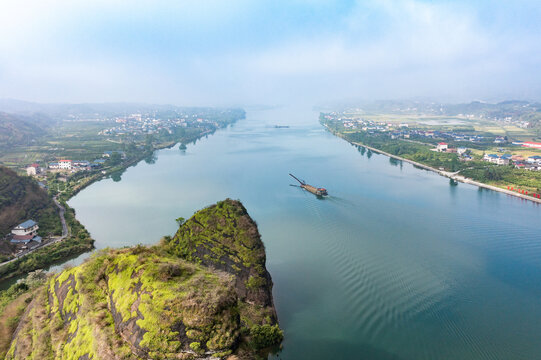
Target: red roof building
x=531 y=144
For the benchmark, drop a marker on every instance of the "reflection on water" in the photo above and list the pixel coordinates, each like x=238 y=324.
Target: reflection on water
x=396 y=263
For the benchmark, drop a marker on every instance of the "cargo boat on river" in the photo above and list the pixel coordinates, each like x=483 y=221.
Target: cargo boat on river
x=310 y=188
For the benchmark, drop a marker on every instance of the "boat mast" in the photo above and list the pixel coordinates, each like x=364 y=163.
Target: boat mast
x=300 y=182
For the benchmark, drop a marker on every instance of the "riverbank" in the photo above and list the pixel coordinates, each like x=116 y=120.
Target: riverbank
x=451 y=175
x=75 y=242
x=131 y=162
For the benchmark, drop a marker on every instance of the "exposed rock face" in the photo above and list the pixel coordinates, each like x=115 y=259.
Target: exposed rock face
x=159 y=302
x=225 y=237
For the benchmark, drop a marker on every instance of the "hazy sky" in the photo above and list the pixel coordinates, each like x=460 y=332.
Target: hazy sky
x=262 y=52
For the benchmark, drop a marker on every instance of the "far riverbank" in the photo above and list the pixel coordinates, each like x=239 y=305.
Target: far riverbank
x=67 y=247
x=450 y=175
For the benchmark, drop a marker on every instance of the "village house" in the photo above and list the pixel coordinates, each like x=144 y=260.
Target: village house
x=25 y=232
x=491 y=158
x=64 y=164
x=33 y=170
x=498 y=160
x=442 y=147
x=536 y=159
x=502 y=161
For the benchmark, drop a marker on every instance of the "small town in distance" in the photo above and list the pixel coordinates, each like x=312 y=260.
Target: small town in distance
x=494 y=144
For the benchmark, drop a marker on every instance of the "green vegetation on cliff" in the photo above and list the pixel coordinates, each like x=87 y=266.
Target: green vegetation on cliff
x=158 y=302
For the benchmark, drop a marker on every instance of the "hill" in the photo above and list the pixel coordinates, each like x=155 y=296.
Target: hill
x=21 y=199
x=160 y=302
x=19 y=130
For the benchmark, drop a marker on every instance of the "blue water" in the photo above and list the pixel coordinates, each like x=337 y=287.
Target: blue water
x=395 y=264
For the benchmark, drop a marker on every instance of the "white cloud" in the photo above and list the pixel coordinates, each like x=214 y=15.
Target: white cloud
x=380 y=48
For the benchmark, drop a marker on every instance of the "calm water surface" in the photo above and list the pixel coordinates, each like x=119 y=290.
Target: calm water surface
x=395 y=264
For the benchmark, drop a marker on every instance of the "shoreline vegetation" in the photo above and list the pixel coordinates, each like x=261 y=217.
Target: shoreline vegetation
x=451 y=175
x=79 y=240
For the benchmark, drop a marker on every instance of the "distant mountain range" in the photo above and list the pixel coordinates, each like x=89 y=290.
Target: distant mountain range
x=61 y=111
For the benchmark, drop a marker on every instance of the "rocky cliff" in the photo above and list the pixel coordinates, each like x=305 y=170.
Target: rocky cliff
x=203 y=294
x=224 y=237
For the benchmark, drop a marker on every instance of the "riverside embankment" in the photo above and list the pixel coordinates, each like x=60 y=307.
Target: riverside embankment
x=451 y=175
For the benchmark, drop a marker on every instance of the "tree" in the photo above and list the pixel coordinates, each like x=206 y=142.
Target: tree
x=180 y=221
x=114 y=159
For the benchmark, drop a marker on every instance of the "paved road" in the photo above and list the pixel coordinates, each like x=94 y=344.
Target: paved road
x=65 y=230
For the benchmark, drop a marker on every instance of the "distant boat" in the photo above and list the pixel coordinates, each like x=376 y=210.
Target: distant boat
x=281 y=126
x=314 y=190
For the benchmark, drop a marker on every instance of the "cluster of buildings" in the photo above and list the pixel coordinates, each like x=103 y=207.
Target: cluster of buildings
x=504 y=159
x=139 y=124
x=403 y=130
x=462 y=152
x=81 y=165
x=72 y=165
x=530 y=163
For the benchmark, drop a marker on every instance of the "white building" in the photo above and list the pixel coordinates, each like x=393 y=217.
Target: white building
x=33 y=170
x=25 y=232
x=64 y=164
x=442 y=147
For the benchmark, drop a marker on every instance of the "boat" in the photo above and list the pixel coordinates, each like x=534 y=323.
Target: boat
x=314 y=190
x=281 y=126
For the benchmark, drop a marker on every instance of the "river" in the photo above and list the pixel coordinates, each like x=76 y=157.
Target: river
x=397 y=263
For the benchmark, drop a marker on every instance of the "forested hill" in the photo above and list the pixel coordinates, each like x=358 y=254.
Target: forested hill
x=20 y=130
x=21 y=198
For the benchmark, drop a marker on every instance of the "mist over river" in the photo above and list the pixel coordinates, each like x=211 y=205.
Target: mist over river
x=396 y=263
